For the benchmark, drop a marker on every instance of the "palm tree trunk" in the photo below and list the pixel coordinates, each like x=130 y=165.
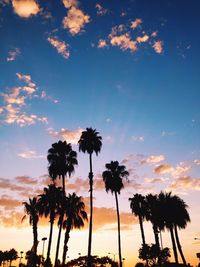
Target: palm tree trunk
x=65 y=248
x=142 y=234
x=91 y=211
x=119 y=237
x=35 y=242
x=179 y=245
x=58 y=241
x=155 y=230
x=50 y=239
x=174 y=245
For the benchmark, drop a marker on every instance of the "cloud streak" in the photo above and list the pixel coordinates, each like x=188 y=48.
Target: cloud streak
x=61 y=46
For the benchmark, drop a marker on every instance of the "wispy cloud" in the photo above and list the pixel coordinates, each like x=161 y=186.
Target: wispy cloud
x=185 y=182
x=137 y=138
x=75 y=20
x=153 y=159
x=14 y=110
x=13 y=54
x=158 y=47
x=30 y=154
x=61 y=46
x=101 y=11
x=25 y=8
x=71 y=136
x=163 y=169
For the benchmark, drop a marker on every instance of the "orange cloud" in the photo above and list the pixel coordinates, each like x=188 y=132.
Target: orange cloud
x=186 y=182
x=142 y=39
x=66 y=134
x=153 y=159
x=30 y=154
x=163 y=169
x=158 y=47
x=61 y=46
x=75 y=20
x=13 y=54
x=136 y=23
x=9 y=203
x=124 y=42
x=25 y=8
x=102 y=43
x=26 y=180
x=70 y=3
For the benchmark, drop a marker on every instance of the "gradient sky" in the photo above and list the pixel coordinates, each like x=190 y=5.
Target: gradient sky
x=130 y=69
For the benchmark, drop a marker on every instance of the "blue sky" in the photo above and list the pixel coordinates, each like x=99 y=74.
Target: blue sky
x=130 y=69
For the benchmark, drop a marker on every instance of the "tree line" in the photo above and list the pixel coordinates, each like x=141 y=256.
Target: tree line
x=164 y=211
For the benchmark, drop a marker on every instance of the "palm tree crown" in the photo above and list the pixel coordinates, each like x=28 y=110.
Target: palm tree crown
x=113 y=176
x=90 y=141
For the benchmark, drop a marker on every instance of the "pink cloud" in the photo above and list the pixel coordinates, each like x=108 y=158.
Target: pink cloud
x=136 y=23
x=124 y=42
x=25 y=8
x=61 y=46
x=158 y=47
x=13 y=54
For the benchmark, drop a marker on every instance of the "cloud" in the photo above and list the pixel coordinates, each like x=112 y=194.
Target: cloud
x=136 y=23
x=142 y=39
x=9 y=203
x=164 y=133
x=137 y=138
x=26 y=78
x=158 y=47
x=13 y=54
x=66 y=134
x=186 y=182
x=153 y=159
x=12 y=219
x=70 y=3
x=26 y=180
x=102 y=43
x=197 y=161
x=163 y=169
x=101 y=10
x=61 y=46
x=47 y=97
x=30 y=154
x=75 y=20
x=25 y=8
x=124 y=42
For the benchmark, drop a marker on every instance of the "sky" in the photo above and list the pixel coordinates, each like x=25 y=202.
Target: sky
x=129 y=69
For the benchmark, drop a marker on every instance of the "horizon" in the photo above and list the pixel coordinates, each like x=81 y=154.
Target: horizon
x=128 y=69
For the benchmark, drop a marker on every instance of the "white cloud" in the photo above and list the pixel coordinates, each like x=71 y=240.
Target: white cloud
x=25 y=8
x=197 y=161
x=158 y=47
x=30 y=154
x=137 y=138
x=153 y=159
x=136 y=23
x=75 y=20
x=71 y=136
x=61 y=46
x=13 y=54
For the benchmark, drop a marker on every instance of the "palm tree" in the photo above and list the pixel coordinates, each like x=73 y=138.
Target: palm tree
x=90 y=141
x=138 y=207
x=49 y=202
x=62 y=160
x=75 y=216
x=175 y=216
x=166 y=201
x=112 y=178
x=31 y=208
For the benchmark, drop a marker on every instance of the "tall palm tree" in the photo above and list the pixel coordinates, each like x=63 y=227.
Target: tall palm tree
x=181 y=220
x=32 y=209
x=62 y=160
x=154 y=215
x=75 y=216
x=90 y=142
x=138 y=207
x=112 y=178
x=49 y=202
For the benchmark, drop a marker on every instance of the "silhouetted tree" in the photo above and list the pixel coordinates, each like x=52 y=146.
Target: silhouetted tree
x=138 y=207
x=112 y=177
x=12 y=255
x=62 y=160
x=75 y=216
x=31 y=208
x=89 y=142
x=49 y=203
